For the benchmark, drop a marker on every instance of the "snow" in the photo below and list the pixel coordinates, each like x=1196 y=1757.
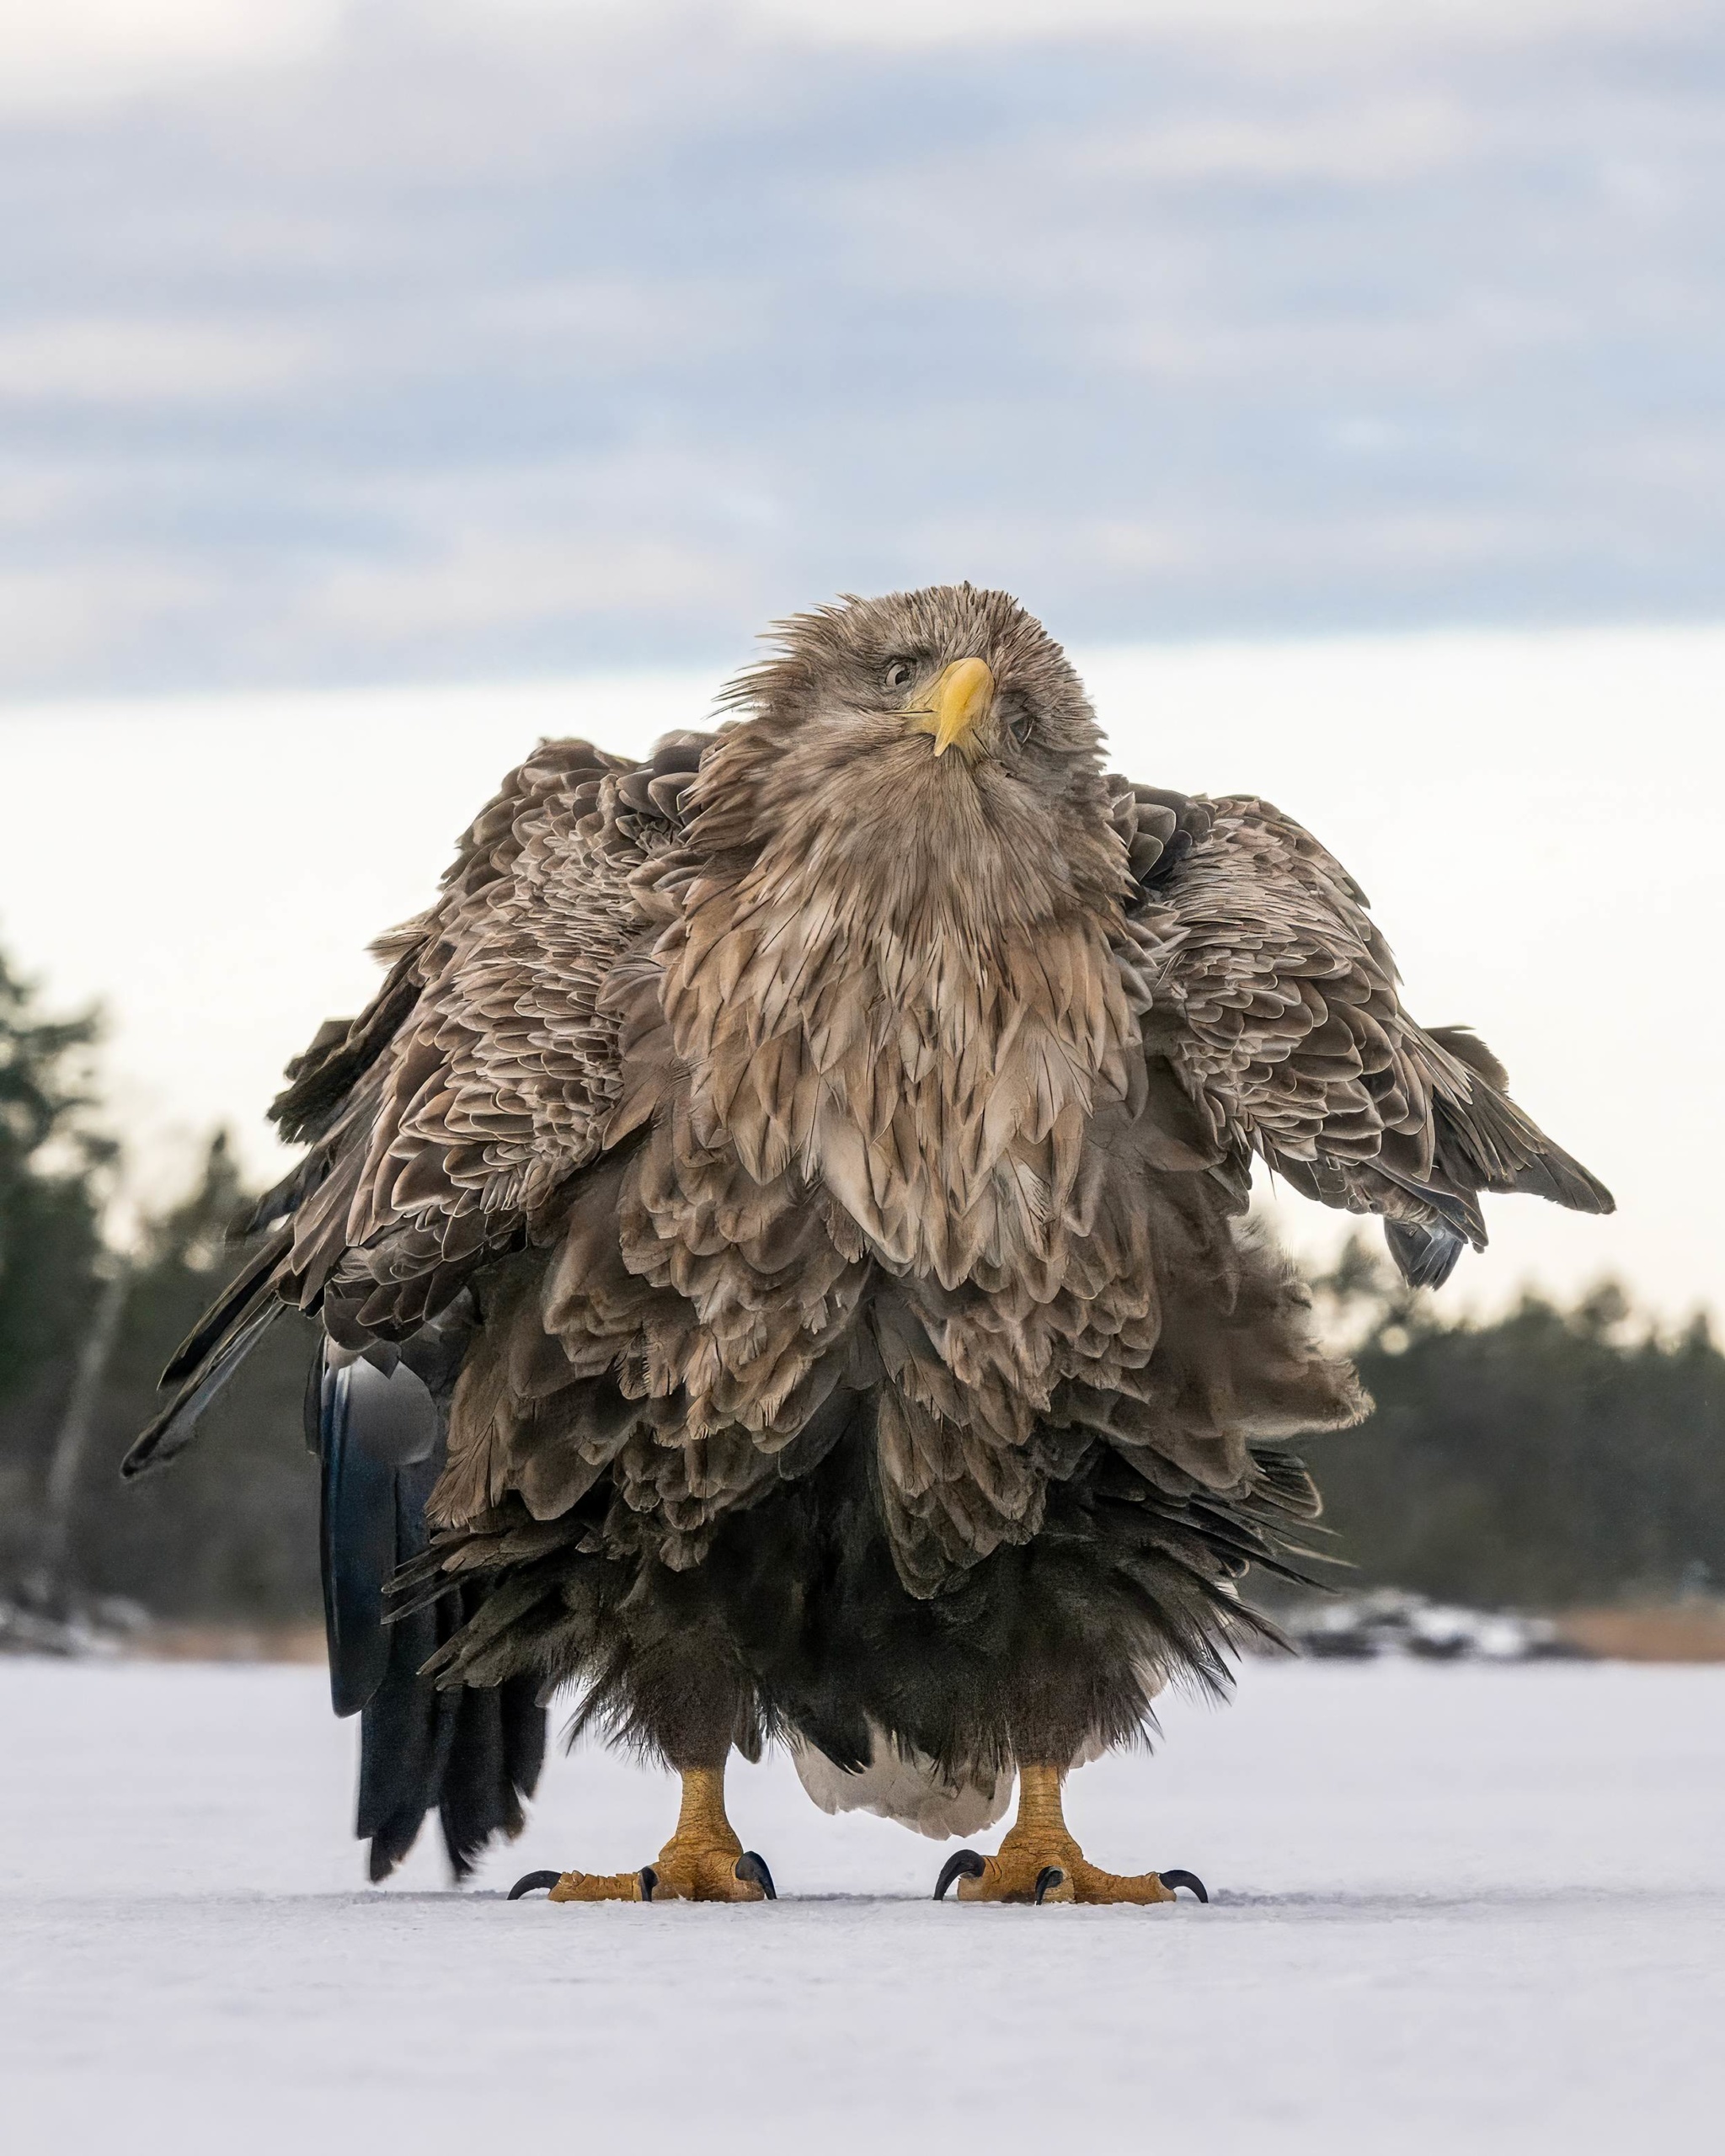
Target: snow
x=1456 y=1907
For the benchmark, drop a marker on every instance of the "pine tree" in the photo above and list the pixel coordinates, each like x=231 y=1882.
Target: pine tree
x=229 y=1533
x=50 y=1161
x=1548 y=1459
x=51 y=1169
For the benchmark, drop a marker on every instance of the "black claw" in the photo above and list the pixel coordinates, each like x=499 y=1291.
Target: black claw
x=963 y=1864
x=532 y=1882
x=649 y=1880
x=752 y=1868
x=1047 y=1880
x=1170 y=1880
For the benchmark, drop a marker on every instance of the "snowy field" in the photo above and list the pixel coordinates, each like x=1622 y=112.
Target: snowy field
x=1456 y=1908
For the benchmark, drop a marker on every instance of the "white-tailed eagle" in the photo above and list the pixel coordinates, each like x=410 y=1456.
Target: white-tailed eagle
x=778 y=1236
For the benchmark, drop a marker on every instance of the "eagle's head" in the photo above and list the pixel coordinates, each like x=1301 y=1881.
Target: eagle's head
x=930 y=753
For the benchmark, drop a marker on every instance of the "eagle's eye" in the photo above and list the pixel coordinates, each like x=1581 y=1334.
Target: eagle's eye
x=898 y=674
x=1020 y=724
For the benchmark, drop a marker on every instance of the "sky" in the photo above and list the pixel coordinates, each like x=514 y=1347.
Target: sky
x=352 y=341
x=384 y=383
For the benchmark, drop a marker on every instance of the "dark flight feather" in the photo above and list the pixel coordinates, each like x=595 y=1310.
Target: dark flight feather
x=166 y=1437
x=1425 y=1257
x=473 y=1759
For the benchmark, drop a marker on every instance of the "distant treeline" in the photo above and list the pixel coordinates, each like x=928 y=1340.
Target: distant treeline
x=1550 y=1458
x=230 y=1531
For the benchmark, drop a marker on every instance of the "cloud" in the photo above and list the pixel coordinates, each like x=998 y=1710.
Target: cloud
x=1398 y=138
x=49 y=618
x=486 y=581
x=116 y=359
x=71 y=52
x=78 y=51
x=469 y=339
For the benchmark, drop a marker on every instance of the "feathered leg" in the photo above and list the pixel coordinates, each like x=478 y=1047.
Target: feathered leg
x=703 y=1860
x=1039 y=1862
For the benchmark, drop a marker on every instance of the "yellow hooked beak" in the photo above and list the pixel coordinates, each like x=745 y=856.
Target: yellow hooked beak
x=957 y=699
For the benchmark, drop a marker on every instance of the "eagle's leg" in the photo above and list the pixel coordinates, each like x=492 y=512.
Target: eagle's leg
x=703 y=1860
x=1039 y=1862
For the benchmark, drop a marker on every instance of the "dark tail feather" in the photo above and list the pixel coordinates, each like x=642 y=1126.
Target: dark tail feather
x=378 y=1435
x=471 y=1756
x=494 y=1762
x=407 y=1734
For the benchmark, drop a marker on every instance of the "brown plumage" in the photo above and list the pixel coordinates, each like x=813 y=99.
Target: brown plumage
x=807 y=1169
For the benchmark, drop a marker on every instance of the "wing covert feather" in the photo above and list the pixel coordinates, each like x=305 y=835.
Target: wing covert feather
x=447 y=1117
x=1263 y=981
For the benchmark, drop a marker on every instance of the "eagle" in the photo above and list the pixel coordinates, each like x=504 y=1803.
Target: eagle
x=779 y=1235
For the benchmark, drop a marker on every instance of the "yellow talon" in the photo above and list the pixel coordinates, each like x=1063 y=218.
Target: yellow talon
x=703 y=1860
x=1039 y=1862
x=600 y=1886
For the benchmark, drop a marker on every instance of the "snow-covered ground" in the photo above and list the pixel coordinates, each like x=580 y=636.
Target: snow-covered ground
x=1456 y=1908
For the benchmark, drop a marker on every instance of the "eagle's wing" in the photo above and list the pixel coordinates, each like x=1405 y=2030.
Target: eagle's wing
x=1269 y=990
x=444 y=1120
